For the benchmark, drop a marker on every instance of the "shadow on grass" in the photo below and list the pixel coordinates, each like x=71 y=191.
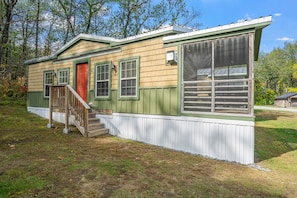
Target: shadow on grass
x=265 y=115
x=275 y=133
x=273 y=142
x=73 y=166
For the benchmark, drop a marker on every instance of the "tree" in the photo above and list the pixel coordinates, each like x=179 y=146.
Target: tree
x=135 y=16
x=7 y=7
x=276 y=72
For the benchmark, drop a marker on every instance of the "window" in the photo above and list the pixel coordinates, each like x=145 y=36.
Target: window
x=63 y=76
x=216 y=76
x=48 y=80
x=128 y=78
x=102 y=83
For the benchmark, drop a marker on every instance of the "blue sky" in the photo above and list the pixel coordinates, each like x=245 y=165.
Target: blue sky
x=221 y=12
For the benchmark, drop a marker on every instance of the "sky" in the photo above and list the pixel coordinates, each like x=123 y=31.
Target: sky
x=221 y=12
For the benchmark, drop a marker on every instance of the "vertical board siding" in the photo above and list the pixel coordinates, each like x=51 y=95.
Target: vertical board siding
x=228 y=140
x=157 y=101
x=220 y=139
x=36 y=99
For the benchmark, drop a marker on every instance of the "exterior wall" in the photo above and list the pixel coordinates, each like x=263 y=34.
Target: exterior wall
x=44 y=112
x=282 y=103
x=82 y=47
x=36 y=99
x=158 y=81
x=215 y=138
x=35 y=75
x=220 y=139
x=157 y=101
x=153 y=69
x=36 y=71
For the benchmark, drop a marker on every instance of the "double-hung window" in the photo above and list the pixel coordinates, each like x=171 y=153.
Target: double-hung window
x=63 y=76
x=102 y=80
x=129 y=78
x=48 y=80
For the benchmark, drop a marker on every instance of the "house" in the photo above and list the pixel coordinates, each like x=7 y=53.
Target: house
x=286 y=100
x=176 y=88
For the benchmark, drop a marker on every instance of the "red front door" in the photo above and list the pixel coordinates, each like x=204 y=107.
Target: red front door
x=82 y=80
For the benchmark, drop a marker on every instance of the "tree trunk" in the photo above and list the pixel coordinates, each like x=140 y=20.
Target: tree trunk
x=37 y=29
x=8 y=6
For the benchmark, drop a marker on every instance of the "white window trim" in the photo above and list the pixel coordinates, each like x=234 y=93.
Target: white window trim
x=130 y=78
x=107 y=80
x=46 y=84
x=59 y=73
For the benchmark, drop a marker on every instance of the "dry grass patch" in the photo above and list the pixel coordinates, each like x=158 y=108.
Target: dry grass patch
x=53 y=164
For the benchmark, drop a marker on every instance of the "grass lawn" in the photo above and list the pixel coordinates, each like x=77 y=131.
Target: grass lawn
x=39 y=162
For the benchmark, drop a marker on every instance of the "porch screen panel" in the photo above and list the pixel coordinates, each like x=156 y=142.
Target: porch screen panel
x=215 y=76
x=231 y=57
x=197 y=75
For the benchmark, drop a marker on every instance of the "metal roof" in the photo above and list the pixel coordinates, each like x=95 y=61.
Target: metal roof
x=285 y=96
x=253 y=23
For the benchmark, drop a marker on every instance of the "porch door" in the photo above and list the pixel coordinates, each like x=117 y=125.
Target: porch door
x=82 y=80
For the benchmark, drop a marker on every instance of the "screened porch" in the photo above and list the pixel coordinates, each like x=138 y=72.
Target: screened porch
x=217 y=76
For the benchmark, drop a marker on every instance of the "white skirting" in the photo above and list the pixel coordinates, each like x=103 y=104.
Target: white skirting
x=229 y=140
x=44 y=112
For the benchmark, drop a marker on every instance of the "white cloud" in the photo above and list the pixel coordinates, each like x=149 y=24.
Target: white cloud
x=277 y=14
x=285 y=39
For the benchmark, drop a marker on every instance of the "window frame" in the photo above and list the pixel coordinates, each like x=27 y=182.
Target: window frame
x=108 y=80
x=47 y=84
x=59 y=73
x=136 y=78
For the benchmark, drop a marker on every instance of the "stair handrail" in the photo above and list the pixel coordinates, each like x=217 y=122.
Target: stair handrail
x=78 y=97
x=64 y=97
x=81 y=115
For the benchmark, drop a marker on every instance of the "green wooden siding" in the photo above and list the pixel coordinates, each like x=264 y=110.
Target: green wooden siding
x=36 y=99
x=156 y=101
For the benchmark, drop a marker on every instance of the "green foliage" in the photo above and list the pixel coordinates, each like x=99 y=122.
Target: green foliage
x=292 y=89
x=275 y=73
x=12 y=89
x=263 y=96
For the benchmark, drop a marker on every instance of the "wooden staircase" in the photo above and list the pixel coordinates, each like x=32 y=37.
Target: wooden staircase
x=95 y=128
x=64 y=98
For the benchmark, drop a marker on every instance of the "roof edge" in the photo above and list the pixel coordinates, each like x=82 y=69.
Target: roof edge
x=253 y=23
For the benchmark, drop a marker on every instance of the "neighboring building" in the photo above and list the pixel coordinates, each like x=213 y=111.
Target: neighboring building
x=181 y=89
x=286 y=101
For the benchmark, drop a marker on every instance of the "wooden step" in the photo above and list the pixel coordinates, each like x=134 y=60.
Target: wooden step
x=93 y=120
x=94 y=126
x=97 y=132
x=92 y=115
